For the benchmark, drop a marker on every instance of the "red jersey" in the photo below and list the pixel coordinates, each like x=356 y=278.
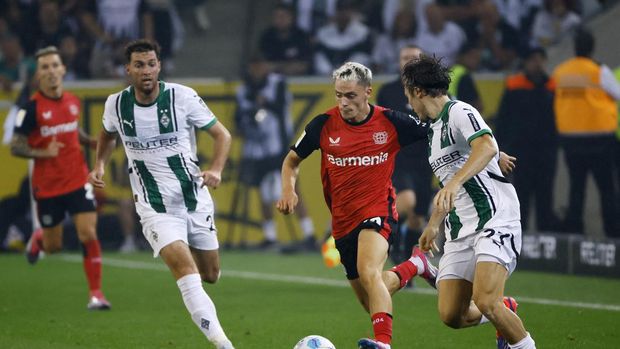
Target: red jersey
x=357 y=161
x=42 y=119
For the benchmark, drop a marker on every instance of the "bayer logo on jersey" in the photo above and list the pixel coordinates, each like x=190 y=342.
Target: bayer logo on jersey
x=314 y=342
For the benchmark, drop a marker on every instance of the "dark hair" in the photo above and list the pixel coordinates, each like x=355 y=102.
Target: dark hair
x=428 y=74
x=49 y=50
x=584 y=43
x=141 y=45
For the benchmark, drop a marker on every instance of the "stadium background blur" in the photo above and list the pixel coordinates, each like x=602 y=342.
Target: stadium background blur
x=207 y=44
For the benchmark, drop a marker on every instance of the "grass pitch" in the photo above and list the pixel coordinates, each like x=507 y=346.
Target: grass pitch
x=271 y=301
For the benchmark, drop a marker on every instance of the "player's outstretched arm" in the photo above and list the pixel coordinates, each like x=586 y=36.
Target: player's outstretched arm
x=290 y=171
x=483 y=150
x=221 y=147
x=105 y=146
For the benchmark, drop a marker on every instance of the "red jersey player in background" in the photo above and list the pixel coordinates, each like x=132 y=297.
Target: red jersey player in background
x=47 y=131
x=358 y=143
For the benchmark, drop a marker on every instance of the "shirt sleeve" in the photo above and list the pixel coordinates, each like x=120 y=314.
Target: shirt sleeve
x=409 y=128
x=609 y=83
x=110 y=114
x=468 y=122
x=198 y=113
x=310 y=139
x=26 y=119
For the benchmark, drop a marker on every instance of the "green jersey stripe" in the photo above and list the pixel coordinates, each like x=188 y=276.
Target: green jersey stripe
x=174 y=112
x=478 y=134
x=118 y=114
x=166 y=125
x=209 y=125
x=155 y=199
x=186 y=183
x=486 y=190
x=128 y=123
x=455 y=224
x=481 y=202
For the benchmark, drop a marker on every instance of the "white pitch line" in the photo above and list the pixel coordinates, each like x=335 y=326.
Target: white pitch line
x=308 y=280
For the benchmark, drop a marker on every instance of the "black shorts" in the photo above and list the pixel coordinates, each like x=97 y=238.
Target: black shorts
x=51 y=211
x=254 y=171
x=347 y=245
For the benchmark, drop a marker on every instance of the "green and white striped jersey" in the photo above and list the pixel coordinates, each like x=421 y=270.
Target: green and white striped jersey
x=486 y=200
x=160 y=143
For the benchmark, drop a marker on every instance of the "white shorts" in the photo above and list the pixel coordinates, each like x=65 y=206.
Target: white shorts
x=500 y=245
x=197 y=229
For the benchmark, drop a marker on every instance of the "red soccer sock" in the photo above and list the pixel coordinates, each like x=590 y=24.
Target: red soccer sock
x=382 y=326
x=92 y=265
x=405 y=271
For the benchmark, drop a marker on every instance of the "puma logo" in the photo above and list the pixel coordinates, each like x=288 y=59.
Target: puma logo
x=128 y=123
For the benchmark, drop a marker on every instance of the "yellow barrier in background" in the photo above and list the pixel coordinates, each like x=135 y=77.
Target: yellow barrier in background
x=311 y=97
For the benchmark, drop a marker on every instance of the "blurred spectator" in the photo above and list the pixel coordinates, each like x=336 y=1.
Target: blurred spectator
x=76 y=67
x=551 y=23
x=586 y=119
x=284 y=45
x=442 y=38
x=526 y=108
x=388 y=46
x=14 y=211
x=462 y=85
x=482 y=24
x=381 y=14
x=112 y=24
x=476 y=17
x=345 y=39
x=412 y=178
x=51 y=26
x=516 y=17
x=17 y=16
x=168 y=30
x=313 y=14
x=14 y=65
x=263 y=121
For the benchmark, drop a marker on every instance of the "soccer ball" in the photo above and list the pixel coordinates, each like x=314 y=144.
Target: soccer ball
x=314 y=342
x=331 y=257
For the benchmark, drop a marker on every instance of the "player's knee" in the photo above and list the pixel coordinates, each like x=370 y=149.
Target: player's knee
x=211 y=275
x=368 y=275
x=451 y=319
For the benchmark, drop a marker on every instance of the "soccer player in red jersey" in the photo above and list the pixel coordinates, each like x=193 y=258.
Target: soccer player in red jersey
x=358 y=143
x=47 y=131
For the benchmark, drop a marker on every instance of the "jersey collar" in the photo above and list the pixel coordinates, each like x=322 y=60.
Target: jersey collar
x=132 y=93
x=366 y=119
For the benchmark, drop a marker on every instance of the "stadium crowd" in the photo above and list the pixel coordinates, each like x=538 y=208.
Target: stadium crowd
x=314 y=37
x=307 y=37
